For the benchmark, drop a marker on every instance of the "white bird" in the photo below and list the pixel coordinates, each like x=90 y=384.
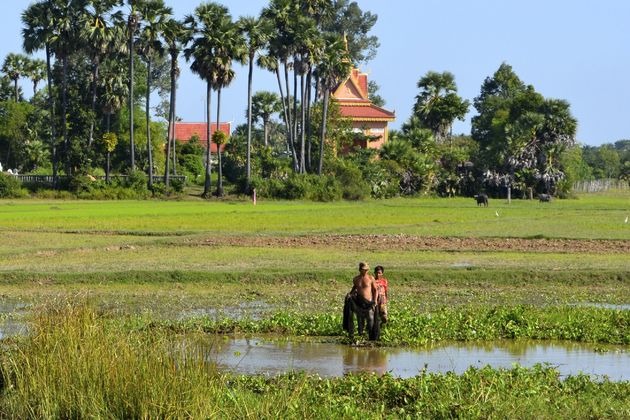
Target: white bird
x=626 y=221
x=496 y=213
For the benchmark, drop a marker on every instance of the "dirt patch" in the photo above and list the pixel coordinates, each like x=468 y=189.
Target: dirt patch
x=420 y=243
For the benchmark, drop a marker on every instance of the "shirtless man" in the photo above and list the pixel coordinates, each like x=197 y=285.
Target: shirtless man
x=364 y=284
x=362 y=301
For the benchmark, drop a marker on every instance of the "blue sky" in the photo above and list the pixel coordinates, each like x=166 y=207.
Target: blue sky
x=575 y=50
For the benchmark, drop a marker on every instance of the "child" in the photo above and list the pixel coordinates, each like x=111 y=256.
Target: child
x=383 y=295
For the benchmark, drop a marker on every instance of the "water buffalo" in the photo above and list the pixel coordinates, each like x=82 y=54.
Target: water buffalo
x=482 y=199
x=365 y=313
x=544 y=198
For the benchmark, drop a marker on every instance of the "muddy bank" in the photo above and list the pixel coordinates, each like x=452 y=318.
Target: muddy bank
x=420 y=243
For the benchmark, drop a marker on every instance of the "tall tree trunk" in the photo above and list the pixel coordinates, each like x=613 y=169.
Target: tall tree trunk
x=322 y=138
x=131 y=142
x=266 y=131
x=15 y=88
x=148 y=119
x=174 y=145
x=302 y=131
x=248 y=170
x=290 y=117
x=309 y=142
x=51 y=106
x=64 y=110
x=35 y=83
x=94 y=85
x=220 y=180
x=285 y=112
x=171 y=127
x=294 y=125
x=107 y=169
x=207 y=183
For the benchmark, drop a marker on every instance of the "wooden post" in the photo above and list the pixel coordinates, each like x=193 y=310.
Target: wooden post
x=254 y=196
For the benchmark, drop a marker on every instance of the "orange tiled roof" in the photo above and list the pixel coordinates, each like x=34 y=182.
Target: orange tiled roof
x=371 y=112
x=185 y=130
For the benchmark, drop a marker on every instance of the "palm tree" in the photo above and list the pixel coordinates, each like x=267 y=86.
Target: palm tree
x=132 y=26
x=224 y=76
x=264 y=105
x=272 y=64
x=36 y=71
x=15 y=67
x=438 y=105
x=201 y=29
x=216 y=42
x=174 y=36
x=114 y=90
x=66 y=18
x=334 y=66
x=37 y=34
x=281 y=13
x=257 y=33
x=155 y=16
x=101 y=37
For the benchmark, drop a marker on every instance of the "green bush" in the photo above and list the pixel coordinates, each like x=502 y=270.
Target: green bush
x=10 y=187
x=350 y=177
x=137 y=180
x=324 y=188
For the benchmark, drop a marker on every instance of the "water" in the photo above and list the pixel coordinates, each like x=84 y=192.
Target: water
x=621 y=307
x=258 y=356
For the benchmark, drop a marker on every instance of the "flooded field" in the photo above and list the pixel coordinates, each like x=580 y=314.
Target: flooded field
x=261 y=356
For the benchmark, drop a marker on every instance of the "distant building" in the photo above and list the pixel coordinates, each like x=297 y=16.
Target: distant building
x=368 y=119
x=184 y=131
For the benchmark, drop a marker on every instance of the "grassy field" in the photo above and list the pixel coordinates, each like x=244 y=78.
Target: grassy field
x=152 y=269
x=590 y=217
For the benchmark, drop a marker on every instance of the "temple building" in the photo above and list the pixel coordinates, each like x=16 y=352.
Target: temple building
x=368 y=120
x=184 y=131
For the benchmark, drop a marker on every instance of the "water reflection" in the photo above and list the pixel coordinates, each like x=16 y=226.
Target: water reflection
x=258 y=356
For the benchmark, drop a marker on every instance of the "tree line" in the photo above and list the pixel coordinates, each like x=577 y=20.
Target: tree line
x=104 y=59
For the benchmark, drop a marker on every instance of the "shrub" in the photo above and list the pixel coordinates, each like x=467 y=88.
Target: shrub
x=350 y=177
x=10 y=187
x=137 y=180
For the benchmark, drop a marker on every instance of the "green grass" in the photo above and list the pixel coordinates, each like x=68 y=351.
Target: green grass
x=591 y=216
x=77 y=364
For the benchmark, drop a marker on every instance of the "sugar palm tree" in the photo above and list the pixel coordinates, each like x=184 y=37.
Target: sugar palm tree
x=333 y=66
x=257 y=33
x=36 y=71
x=155 y=16
x=174 y=36
x=280 y=52
x=438 y=105
x=214 y=43
x=101 y=37
x=223 y=77
x=132 y=26
x=66 y=19
x=264 y=105
x=15 y=67
x=37 y=34
x=200 y=29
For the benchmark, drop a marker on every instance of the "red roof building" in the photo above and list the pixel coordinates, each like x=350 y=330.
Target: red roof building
x=367 y=118
x=184 y=131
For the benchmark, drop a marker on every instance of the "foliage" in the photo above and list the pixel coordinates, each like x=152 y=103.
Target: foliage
x=438 y=105
x=110 y=140
x=350 y=178
x=10 y=187
x=373 y=94
x=79 y=362
x=219 y=138
x=521 y=134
